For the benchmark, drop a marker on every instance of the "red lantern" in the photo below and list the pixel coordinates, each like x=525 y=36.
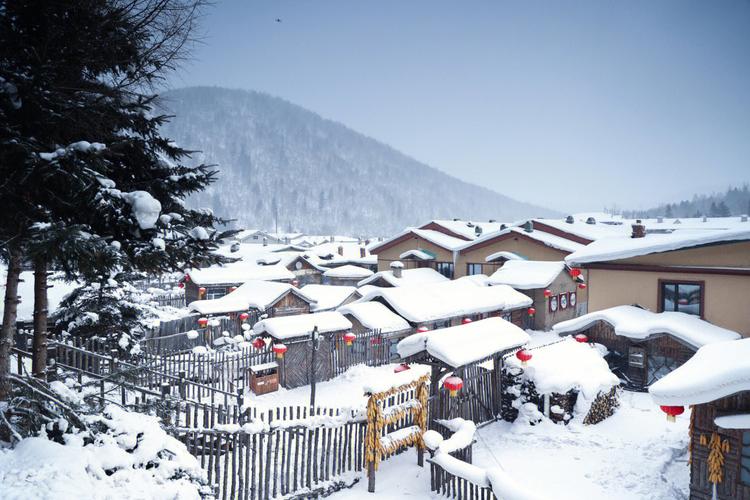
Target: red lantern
x=375 y=341
x=423 y=329
x=531 y=311
x=244 y=316
x=581 y=338
x=187 y=278
x=259 y=343
x=575 y=272
x=453 y=384
x=202 y=291
x=672 y=412
x=401 y=368
x=466 y=321
x=547 y=293
x=582 y=286
x=295 y=283
x=232 y=288
x=181 y=285
x=349 y=338
x=524 y=356
x=279 y=349
x=203 y=322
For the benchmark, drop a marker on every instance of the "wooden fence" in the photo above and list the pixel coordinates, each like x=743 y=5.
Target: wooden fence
x=452 y=486
x=285 y=451
x=478 y=401
x=170 y=299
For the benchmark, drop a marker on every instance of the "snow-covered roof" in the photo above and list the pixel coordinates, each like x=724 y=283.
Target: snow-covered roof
x=466 y=228
x=286 y=327
x=503 y=254
x=436 y=237
x=409 y=277
x=580 y=228
x=527 y=274
x=375 y=316
x=449 y=299
x=607 y=249
x=547 y=239
x=348 y=271
x=239 y=273
x=636 y=323
x=561 y=366
x=327 y=296
x=254 y=294
x=418 y=254
x=714 y=372
x=464 y=344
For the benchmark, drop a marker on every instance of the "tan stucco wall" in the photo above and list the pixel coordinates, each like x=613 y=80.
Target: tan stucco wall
x=389 y=255
x=727 y=255
x=726 y=301
x=529 y=249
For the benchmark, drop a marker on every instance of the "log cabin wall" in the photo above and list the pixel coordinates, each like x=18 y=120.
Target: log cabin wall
x=289 y=305
x=731 y=486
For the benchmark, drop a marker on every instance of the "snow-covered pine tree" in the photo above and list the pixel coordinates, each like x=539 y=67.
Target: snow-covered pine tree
x=94 y=187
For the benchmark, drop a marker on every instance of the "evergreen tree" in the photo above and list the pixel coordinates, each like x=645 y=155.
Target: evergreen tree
x=668 y=212
x=714 y=210
x=722 y=209
x=93 y=185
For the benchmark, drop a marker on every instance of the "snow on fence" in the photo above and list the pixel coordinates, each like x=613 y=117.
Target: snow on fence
x=477 y=401
x=288 y=450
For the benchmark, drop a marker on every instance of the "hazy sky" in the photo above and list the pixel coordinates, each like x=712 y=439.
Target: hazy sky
x=573 y=105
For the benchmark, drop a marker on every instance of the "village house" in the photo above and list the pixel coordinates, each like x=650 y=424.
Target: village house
x=217 y=281
x=398 y=276
x=557 y=295
x=346 y=275
x=644 y=346
x=418 y=248
x=375 y=317
x=329 y=297
x=705 y=273
x=256 y=298
x=714 y=388
x=450 y=303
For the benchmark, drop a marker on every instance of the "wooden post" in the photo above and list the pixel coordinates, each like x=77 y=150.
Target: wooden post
x=371 y=477
x=183 y=388
x=314 y=345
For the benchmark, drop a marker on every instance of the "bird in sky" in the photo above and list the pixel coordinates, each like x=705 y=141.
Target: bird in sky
x=278 y=20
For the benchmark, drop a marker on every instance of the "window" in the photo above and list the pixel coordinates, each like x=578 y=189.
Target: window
x=445 y=268
x=745 y=459
x=637 y=357
x=682 y=297
x=472 y=269
x=507 y=317
x=215 y=292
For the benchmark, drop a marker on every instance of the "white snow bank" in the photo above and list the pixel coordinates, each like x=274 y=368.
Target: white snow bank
x=508 y=488
x=503 y=254
x=348 y=271
x=286 y=327
x=133 y=459
x=739 y=421
x=375 y=316
x=421 y=304
x=253 y=294
x=464 y=344
x=239 y=273
x=607 y=249
x=409 y=277
x=327 y=297
x=636 y=323
x=145 y=208
x=565 y=365
x=527 y=274
x=389 y=380
x=715 y=371
x=462 y=437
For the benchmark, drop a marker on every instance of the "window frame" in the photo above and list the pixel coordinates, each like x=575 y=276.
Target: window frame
x=439 y=264
x=665 y=282
x=215 y=292
x=470 y=266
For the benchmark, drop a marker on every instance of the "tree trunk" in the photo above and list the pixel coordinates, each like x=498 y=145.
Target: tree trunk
x=39 y=360
x=9 y=319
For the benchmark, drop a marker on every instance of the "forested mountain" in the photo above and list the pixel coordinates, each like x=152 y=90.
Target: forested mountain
x=734 y=201
x=281 y=163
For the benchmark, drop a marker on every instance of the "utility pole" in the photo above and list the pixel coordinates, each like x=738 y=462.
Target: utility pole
x=315 y=344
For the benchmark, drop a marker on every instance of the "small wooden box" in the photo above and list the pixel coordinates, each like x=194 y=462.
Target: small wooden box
x=264 y=378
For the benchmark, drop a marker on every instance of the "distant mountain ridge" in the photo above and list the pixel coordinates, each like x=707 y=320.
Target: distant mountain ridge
x=280 y=162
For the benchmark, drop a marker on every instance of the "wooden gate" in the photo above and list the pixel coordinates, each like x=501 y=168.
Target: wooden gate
x=298 y=359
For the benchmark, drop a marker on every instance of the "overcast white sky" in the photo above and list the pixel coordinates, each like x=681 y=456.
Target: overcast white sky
x=572 y=105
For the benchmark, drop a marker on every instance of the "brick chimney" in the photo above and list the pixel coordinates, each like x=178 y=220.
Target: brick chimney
x=396 y=267
x=639 y=230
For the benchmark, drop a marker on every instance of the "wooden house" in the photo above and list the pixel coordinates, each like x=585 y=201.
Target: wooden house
x=645 y=346
x=374 y=316
x=398 y=276
x=346 y=275
x=716 y=384
x=329 y=297
x=450 y=303
x=305 y=270
x=257 y=298
x=296 y=333
x=556 y=294
x=215 y=282
x=704 y=273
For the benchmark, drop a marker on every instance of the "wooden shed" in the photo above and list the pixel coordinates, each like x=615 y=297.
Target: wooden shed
x=716 y=384
x=215 y=282
x=645 y=346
